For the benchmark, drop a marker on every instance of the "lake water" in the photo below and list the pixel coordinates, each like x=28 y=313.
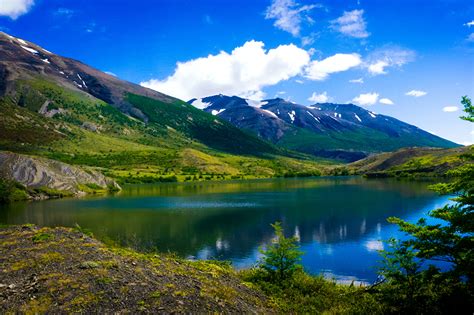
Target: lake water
x=340 y=221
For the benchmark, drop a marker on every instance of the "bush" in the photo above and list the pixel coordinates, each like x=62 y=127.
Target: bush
x=11 y=191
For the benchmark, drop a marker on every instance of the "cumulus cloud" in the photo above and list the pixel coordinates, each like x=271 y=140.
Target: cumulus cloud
x=390 y=56
x=289 y=15
x=386 y=101
x=15 y=8
x=351 y=24
x=320 y=70
x=469 y=24
x=416 y=93
x=319 y=98
x=359 y=80
x=450 y=109
x=366 y=99
x=244 y=72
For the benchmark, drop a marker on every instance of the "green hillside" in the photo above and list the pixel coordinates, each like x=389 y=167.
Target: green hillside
x=177 y=142
x=412 y=162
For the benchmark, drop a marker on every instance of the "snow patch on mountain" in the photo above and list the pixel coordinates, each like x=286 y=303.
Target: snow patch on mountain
x=83 y=83
x=31 y=50
x=217 y=112
x=21 y=41
x=269 y=113
x=315 y=118
x=292 y=115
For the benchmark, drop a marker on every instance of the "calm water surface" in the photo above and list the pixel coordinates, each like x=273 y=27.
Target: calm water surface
x=340 y=222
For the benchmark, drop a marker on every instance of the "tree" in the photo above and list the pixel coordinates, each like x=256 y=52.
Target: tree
x=468 y=108
x=280 y=259
x=450 y=241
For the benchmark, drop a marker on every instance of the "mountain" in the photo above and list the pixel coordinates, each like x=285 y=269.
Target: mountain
x=62 y=109
x=342 y=131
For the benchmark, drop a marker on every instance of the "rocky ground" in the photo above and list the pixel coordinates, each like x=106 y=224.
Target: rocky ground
x=62 y=270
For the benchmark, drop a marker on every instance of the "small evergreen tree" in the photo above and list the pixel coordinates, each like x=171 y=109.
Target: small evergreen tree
x=280 y=259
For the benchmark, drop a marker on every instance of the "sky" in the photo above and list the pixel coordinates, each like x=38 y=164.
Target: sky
x=410 y=59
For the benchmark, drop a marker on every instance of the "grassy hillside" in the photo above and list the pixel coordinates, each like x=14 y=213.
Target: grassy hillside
x=412 y=162
x=177 y=141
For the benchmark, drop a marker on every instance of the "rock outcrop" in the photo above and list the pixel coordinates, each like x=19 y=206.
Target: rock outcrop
x=35 y=172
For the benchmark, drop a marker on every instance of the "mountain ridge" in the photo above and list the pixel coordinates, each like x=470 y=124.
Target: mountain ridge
x=324 y=129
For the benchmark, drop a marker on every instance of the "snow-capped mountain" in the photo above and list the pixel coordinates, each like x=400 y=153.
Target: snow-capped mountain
x=344 y=131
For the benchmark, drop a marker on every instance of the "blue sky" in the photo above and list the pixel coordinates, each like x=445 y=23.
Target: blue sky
x=372 y=53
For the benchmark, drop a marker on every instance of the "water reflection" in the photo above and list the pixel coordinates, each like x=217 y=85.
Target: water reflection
x=338 y=221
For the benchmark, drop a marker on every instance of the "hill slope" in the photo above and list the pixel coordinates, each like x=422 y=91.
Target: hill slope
x=62 y=109
x=343 y=131
x=412 y=162
x=64 y=271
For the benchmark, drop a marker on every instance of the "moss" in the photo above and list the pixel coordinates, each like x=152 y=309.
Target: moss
x=104 y=280
x=42 y=237
x=89 y=265
x=22 y=264
x=37 y=306
x=51 y=257
x=82 y=301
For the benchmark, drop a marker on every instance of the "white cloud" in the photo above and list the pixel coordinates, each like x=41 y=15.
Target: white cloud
x=359 y=80
x=110 y=73
x=389 y=56
x=319 y=98
x=244 y=72
x=467 y=143
x=450 y=109
x=469 y=24
x=416 y=93
x=351 y=24
x=386 y=101
x=15 y=8
x=289 y=15
x=366 y=99
x=470 y=38
x=320 y=70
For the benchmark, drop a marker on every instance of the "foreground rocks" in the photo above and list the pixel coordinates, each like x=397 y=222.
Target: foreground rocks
x=61 y=270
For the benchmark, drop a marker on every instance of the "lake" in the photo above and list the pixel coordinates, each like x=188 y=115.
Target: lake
x=339 y=221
